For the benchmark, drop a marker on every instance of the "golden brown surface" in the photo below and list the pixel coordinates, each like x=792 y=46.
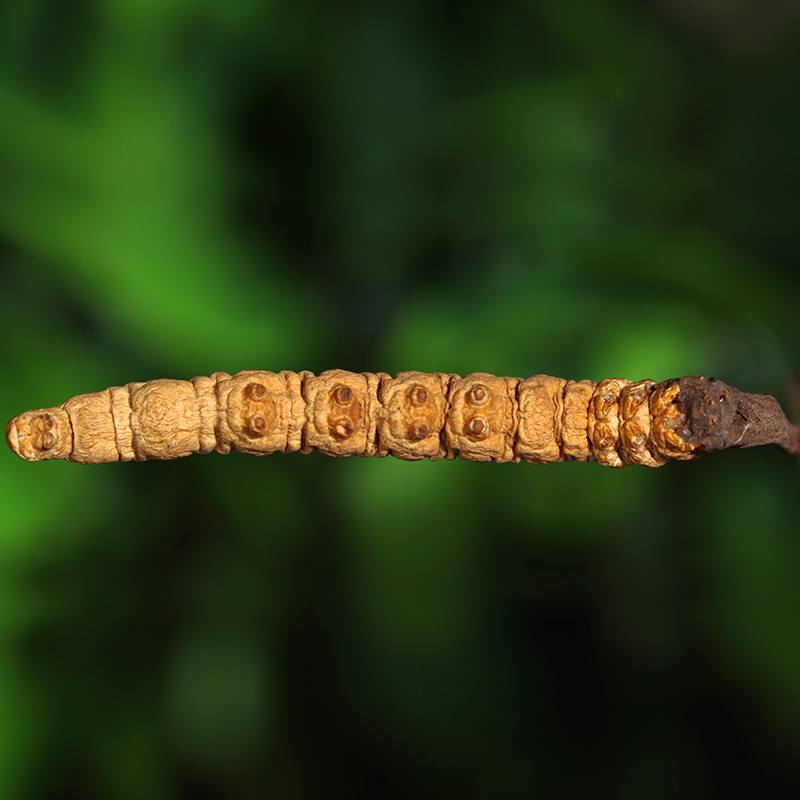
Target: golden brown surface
x=574 y=435
x=94 y=435
x=481 y=423
x=165 y=418
x=340 y=412
x=635 y=426
x=603 y=422
x=666 y=416
x=40 y=434
x=253 y=412
x=541 y=411
x=413 y=415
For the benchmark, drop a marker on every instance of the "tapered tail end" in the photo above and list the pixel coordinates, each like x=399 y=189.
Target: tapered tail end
x=792 y=445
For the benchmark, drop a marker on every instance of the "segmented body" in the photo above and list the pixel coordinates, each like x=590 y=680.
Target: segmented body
x=414 y=415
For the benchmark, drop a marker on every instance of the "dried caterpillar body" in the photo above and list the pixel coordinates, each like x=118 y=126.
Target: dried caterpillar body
x=411 y=416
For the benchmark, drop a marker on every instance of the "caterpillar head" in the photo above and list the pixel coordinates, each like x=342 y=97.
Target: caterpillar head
x=40 y=434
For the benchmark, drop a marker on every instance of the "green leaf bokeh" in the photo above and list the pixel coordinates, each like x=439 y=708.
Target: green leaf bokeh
x=581 y=188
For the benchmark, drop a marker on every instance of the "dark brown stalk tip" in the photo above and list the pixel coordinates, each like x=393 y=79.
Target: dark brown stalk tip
x=718 y=416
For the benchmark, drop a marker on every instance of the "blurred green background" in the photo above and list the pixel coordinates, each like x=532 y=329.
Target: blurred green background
x=585 y=188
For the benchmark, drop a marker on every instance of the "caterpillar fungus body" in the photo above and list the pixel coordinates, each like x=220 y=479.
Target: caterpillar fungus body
x=411 y=416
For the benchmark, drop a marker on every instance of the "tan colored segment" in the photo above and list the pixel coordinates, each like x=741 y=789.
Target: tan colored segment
x=574 y=437
x=373 y=410
x=254 y=412
x=603 y=422
x=93 y=428
x=121 y=416
x=634 y=429
x=297 y=411
x=337 y=409
x=205 y=390
x=481 y=424
x=412 y=415
x=666 y=416
x=541 y=410
x=224 y=434
x=41 y=434
x=165 y=418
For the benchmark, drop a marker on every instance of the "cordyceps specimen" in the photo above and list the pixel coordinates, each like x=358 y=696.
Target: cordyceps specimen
x=412 y=416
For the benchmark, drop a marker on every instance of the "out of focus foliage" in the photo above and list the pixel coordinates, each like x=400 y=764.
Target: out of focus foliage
x=585 y=188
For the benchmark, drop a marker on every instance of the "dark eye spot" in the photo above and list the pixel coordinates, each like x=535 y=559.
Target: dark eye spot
x=256 y=391
x=257 y=425
x=419 y=395
x=478 y=395
x=342 y=395
x=47 y=422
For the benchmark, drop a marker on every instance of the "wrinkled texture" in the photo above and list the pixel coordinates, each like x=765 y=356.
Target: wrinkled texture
x=414 y=415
